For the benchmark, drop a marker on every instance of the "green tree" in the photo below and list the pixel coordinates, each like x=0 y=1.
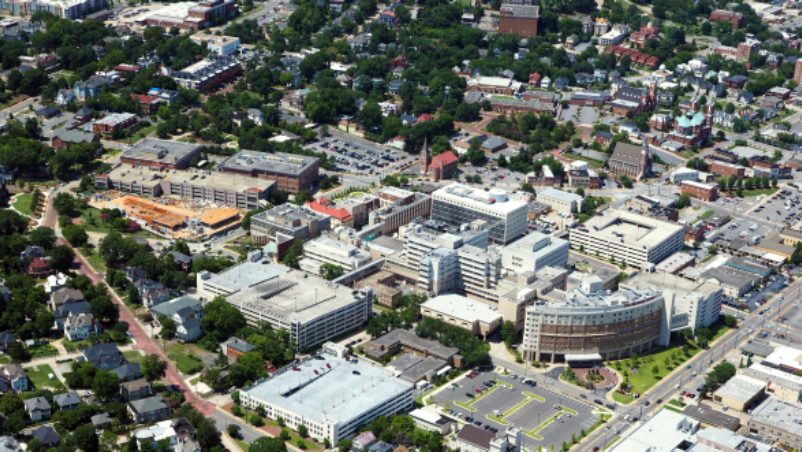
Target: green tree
x=75 y=235
x=64 y=203
x=153 y=368
x=268 y=444
x=11 y=402
x=302 y=431
x=43 y=236
x=106 y=385
x=331 y=271
x=345 y=445
x=168 y=327
x=509 y=333
x=85 y=438
x=730 y=321
x=18 y=353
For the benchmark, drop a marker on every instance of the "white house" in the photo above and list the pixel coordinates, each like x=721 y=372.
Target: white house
x=81 y=326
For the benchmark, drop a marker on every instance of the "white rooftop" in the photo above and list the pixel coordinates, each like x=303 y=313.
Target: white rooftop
x=558 y=194
x=636 y=230
x=663 y=432
x=741 y=388
x=495 y=200
x=462 y=308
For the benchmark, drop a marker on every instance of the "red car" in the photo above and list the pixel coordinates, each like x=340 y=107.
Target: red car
x=477 y=390
x=763 y=300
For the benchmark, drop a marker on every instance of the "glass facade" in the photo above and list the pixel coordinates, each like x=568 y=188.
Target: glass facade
x=456 y=216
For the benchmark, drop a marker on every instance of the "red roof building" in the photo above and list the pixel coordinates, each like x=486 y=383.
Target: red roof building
x=338 y=216
x=639 y=58
x=40 y=268
x=534 y=79
x=423 y=118
x=150 y=104
x=443 y=166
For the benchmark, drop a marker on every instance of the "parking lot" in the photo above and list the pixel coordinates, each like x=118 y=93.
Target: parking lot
x=741 y=229
x=360 y=157
x=546 y=416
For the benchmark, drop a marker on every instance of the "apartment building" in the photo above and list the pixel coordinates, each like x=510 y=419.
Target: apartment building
x=288 y=222
x=398 y=207
x=518 y=19
x=161 y=154
x=72 y=9
x=114 y=122
x=220 y=45
x=736 y=19
x=208 y=73
x=503 y=215
x=698 y=190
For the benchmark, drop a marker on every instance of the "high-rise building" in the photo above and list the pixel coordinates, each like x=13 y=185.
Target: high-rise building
x=798 y=71
x=502 y=215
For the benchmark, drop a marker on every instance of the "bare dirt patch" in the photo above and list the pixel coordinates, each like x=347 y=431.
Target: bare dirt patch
x=78 y=221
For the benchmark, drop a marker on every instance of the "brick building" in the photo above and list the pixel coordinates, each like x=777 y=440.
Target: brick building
x=150 y=104
x=726 y=169
x=64 y=138
x=161 y=154
x=746 y=49
x=234 y=348
x=640 y=37
x=639 y=58
x=705 y=192
x=635 y=100
x=798 y=71
x=114 y=122
x=736 y=19
x=521 y=20
x=291 y=172
x=633 y=161
x=194 y=17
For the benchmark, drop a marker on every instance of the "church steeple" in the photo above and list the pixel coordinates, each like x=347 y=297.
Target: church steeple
x=424 y=157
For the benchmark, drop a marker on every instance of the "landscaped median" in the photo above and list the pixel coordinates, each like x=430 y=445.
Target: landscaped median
x=533 y=432
x=529 y=397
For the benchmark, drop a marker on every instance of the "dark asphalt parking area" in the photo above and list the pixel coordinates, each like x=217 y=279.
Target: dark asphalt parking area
x=528 y=416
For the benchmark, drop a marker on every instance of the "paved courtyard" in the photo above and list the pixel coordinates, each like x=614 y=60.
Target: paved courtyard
x=547 y=416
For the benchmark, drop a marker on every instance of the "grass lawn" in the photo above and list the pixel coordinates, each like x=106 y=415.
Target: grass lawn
x=4 y=360
x=764 y=191
x=243 y=445
x=184 y=358
x=95 y=260
x=644 y=379
x=673 y=408
x=42 y=350
x=23 y=203
x=611 y=443
x=13 y=100
x=93 y=223
x=591 y=161
x=133 y=356
x=688 y=154
x=40 y=379
x=707 y=214
x=142 y=133
x=113 y=152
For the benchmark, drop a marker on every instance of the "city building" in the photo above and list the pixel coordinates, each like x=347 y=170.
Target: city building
x=534 y=252
x=740 y=392
x=798 y=71
x=383 y=285
x=339 y=217
x=520 y=20
x=746 y=49
x=736 y=19
x=286 y=223
x=684 y=174
x=616 y=34
x=161 y=154
x=503 y=216
x=587 y=321
x=207 y=74
x=479 y=318
x=691 y=304
x=560 y=201
x=494 y=85
x=631 y=161
x=292 y=173
x=188 y=15
x=431 y=422
x=631 y=99
x=675 y=263
x=726 y=169
x=735 y=282
x=584 y=178
x=698 y=190
x=692 y=129
x=629 y=237
x=665 y=431
x=62 y=139
x=310 y=308
x=114 y=122
x=208 y=186
x=777 y=421
x=330 y=396
x=474 y=439
x=398 y=207
x=359 y=207
x=71 y=10
x=441 y=166
x=545 y=179
x=325 y=250
x=220 y=45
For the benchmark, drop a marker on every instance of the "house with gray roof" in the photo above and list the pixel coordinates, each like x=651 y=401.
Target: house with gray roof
x=47 y=435
x=101 y=420
x=68 y=401
x=186 y=312
x=6 y=339
x=64 y=296
x=135 y=389
x=38 y=409
x=63 y=312
x=151 y=409
x=104 y=356
x=16 y=374
x=128 y=372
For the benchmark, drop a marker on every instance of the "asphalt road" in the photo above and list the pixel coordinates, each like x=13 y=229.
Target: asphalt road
x=222 y=421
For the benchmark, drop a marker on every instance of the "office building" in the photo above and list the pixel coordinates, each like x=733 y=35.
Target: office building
x=325 y=250
x=734 y=282
x=698 y=190
x=780 y=385
x=504 y=217
x=629 y=237
x=398 y=207
x=798 y=72
x=560 y=201
x=777 y=421
x=588 y=323
x=310 y=308
x=161 y=154
x=683 y=174
x=207 y=74
x=675 y=263
x=665 y=431
x=359 y=207
x=288 y=222
x=691 y=304
x=207 y=186
x=188 y=15
x=534 y=252
x=220 y=45
x=478 y=318
x=72 y=9
x=292 y=173
x=519 y=20
x=330 y=396
x=740 y=392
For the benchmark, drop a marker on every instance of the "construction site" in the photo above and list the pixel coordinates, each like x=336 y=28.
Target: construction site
x=173 y=218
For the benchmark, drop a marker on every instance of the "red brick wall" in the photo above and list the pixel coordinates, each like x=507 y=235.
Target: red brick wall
x=523 y=26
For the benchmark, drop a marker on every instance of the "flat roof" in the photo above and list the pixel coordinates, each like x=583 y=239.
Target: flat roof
x=786 y=356
x=245 y=274
x=293 y=296
x=712 y=417
x=666 y=281
x=558 y=194
x=408 y=337
x=674 y=262
x=730 y=276
x=263 y=161
x=223 y=181
x=773 y=376
x=165 y=150
x=741 y=388
x=663 y=432
x=462 y=308
x=330 y=389
x=781 y=415
x=636 y=230
x=496 y=200
x=423 y=368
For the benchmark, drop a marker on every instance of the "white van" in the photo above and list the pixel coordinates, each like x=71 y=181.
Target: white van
x=626 y=418
x=496 y=413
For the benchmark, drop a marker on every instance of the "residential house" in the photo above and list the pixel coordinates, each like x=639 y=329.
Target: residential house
x=135 y=390
x=128 y=372
x=6 y=339
x=101 y=421
x=17 y=376
x=38 y=409
x=561 y=83
x=154 y=296
x=63 y=138
x=388 y=17
x=79 y=327
x=64 y=311
x=150 y=104
x=234 y=348
x=104 y=356
x=665 y=97
x=603 y=137
x=183 y=261
x=90 y=88
x=47 y=436
x=64 y=97
x=186 y=312
x=40 y=268
x=68 y=401
x=151 y=409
